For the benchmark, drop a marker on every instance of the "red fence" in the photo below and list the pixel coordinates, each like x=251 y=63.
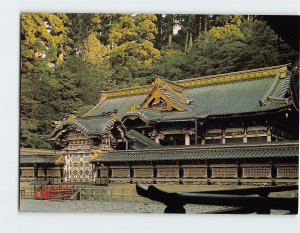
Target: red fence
x=54 y=192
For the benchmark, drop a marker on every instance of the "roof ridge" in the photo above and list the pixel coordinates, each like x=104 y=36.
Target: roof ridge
x=202 y=80
x=178 y=95
x=235 y=72
x=288 y=144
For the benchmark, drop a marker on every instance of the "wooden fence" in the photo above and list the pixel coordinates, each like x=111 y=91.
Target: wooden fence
x=94 y=193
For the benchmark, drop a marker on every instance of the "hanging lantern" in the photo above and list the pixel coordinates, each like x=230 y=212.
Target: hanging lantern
x=286 y=115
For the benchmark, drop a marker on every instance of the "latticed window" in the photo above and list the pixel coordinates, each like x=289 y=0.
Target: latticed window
x=122 y=172
x=143 y=172
x=168 y=172
x=103 y=172
x=257 y=172
x=41 y=173
x=224 y=172
x=27 y=172
x=195 y=172
x=53 y=172
x=287 y=172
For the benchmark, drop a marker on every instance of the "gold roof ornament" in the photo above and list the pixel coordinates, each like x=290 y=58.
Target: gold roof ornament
x=133 y=108
x=114 y=115
x=60 y=160
x=96 y=154
x=71 y=117
x=156 y=97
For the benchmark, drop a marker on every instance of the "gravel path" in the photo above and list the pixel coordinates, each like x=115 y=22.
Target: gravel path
x=29 y=205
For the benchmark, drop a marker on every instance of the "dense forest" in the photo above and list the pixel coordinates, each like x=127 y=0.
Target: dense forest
x=68 y=59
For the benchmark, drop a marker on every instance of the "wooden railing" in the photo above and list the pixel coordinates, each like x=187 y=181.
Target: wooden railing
x=96 y=193
x=110 y=194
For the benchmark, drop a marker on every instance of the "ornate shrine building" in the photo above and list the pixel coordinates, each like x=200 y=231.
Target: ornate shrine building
x=234 y=128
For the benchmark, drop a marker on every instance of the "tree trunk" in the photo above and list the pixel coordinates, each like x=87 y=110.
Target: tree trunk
x=186 y=41
x=190 y=40
x=171 y=26
x=198 y=26
x=159 y=31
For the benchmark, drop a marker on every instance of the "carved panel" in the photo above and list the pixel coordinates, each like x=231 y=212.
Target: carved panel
x=53 y=172
x=103 y=172
x=120 y=172
x=224 y=171
x=213 y=133
x=194 y=172
x=41 y=172
x=158 y=103
x=234 y=131
x=143 y=172
x=168 y=172
x=287 y=172
x=256 y=171
x=257 y=130
x=27 y=172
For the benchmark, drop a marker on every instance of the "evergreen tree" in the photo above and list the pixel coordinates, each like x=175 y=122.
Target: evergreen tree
x=44 y=36
x=93 y=51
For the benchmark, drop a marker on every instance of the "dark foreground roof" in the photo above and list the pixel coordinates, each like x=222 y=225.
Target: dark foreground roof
x=241 y=151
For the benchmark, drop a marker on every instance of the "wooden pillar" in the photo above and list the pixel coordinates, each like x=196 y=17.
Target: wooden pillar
x=45 y=171
x=187 y=139
x=61 y=168
x=269 y=138
x=223 y=137
x=245 y=140
x=36 y=172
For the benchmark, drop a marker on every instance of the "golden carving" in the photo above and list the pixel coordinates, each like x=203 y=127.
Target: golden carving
x=135 y=91
x=96 y=154
x=71 y=117
x=114 y=115
x=216 y=79
x=156 y=96
x=133 y=108
x=60 y=160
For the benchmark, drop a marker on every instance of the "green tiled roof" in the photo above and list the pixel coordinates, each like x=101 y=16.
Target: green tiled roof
x=147 y=115
x=268 y=150
x=34 y=159
x=120 y=104
x=143 y=139
x=89 y=125
x=252 y=95
x=47 y=152
x=172 y=95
